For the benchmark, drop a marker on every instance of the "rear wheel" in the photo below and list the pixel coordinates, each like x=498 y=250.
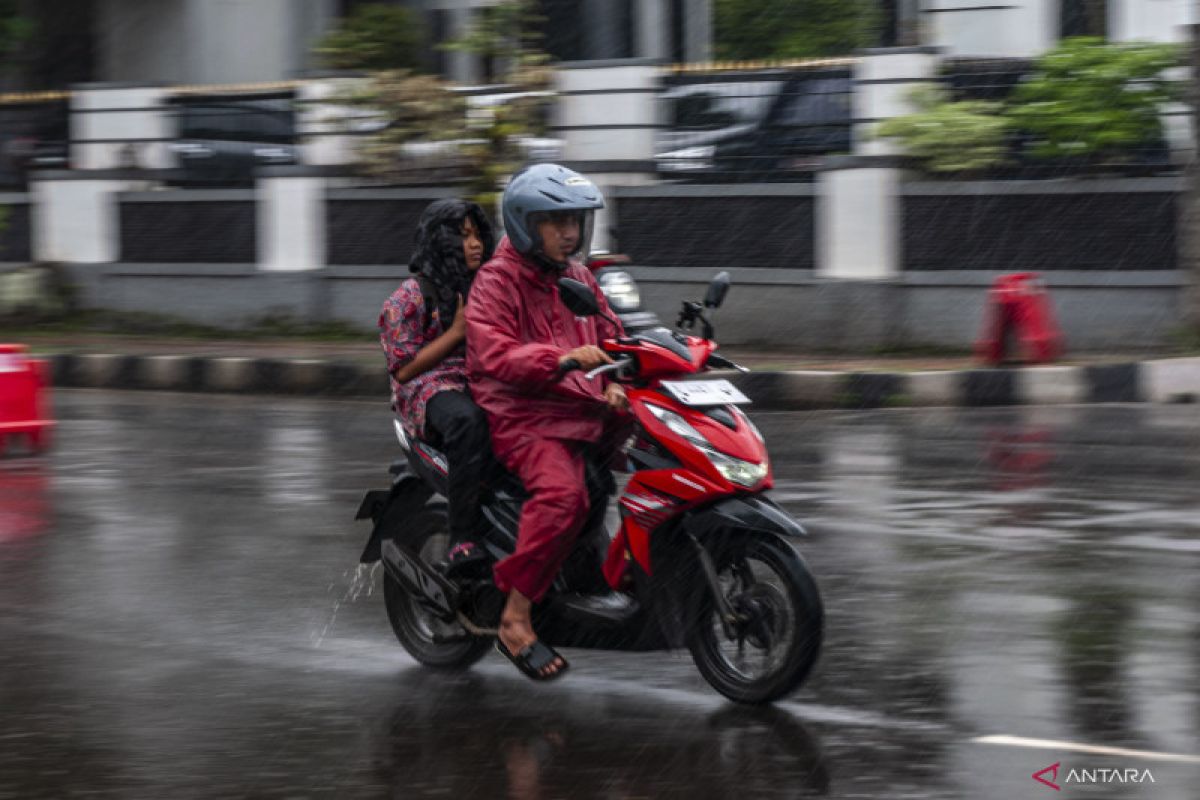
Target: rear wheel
x=777 y=636
x=430 y=640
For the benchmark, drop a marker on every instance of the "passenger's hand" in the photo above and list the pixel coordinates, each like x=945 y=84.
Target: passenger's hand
x=459 y=326
x=614 y=395
x=589 y=357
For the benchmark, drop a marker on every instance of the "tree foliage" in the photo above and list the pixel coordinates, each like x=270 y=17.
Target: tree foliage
x=479 y=141
x=375 y=37
x=1090 y=98
x=781 y=29
x=15 y=29
x=951 y=136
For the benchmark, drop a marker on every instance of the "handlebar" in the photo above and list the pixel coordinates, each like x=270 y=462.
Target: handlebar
x=567 y=366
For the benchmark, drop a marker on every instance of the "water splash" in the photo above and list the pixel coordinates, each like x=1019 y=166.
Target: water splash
x=363 y=580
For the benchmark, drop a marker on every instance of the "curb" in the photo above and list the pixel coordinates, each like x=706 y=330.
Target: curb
x=1175 y=380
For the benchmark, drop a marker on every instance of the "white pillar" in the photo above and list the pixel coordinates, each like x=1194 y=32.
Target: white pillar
x=291 y=219
x=117 y=126
x=858 y=219
x=652 y=29
x=608 y=117
x=697 y=31
x=75 y=218
x=609 y=112
x=326 y=128
x=884 y=80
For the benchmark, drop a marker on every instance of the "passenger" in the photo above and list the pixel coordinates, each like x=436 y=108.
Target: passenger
x=423 y=332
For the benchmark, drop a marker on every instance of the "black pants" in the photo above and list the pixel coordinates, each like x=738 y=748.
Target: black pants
x=458 y=427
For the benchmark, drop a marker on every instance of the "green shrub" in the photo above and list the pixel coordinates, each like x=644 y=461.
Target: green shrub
x=950 y=136
x=1087 y=98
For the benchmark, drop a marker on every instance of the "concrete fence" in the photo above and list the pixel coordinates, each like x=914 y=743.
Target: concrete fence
x=858 y=259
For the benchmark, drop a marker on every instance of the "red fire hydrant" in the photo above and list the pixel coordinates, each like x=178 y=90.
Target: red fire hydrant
x=24 y=398
x=1018 y=322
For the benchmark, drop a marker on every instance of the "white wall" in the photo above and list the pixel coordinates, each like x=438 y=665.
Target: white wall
x=208 y=41
x=623 y=102
x=1021 y=28
x=1151 y=20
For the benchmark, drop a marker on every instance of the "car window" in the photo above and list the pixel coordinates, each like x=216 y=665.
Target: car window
x=817 y=102
x=238 y=123
x=711 y=106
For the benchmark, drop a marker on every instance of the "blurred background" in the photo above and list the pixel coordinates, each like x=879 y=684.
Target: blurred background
x=864 y=167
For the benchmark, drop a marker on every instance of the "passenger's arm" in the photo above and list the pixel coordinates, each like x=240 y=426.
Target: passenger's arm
x=436 y=351
x=400 y=332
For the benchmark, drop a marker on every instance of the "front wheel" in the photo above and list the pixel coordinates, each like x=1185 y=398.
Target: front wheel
x=777 y=636
x=428 y=639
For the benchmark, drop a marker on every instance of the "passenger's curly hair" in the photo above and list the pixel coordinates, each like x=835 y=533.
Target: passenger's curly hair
x=439 y=255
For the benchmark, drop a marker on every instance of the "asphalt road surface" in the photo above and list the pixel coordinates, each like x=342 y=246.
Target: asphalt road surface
x=1006 y=590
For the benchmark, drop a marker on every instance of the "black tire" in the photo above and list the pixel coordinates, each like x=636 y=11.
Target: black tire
x=413 y=623
x=788 y=622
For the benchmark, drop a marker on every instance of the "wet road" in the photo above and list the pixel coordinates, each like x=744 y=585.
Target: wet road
x=179 y=617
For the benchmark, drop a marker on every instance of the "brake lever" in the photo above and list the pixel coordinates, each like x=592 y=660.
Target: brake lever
x=613 y=367
x=721 y=362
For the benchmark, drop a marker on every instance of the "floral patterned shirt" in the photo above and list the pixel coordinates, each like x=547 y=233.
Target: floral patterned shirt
x=402 y=333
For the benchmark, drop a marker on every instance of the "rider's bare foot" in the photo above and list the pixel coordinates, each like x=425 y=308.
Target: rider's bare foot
x=516 y=630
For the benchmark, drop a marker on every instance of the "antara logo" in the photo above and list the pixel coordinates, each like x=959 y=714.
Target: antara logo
x=1091 y=776
x=1053 y=770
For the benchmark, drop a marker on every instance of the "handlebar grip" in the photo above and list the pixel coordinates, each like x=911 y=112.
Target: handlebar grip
x=568 y=365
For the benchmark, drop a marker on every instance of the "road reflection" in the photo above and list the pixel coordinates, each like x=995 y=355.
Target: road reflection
x=24 y=503
x=478 y=736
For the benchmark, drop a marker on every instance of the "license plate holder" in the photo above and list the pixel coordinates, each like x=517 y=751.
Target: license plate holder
x=705 y=393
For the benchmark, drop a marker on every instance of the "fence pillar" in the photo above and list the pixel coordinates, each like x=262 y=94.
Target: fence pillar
x=74 y=215
x=858 y=218
x=325 y=127
x=291 y=218
x=120 y=126
x=883 y=82
x=608 y=115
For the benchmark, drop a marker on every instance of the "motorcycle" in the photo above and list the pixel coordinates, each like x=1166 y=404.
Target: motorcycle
x=702 y=559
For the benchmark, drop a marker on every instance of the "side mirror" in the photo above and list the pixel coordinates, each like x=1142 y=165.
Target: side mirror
x=716 y=291
x=578 y=297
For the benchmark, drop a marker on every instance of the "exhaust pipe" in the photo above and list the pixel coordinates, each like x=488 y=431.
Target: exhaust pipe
x=419 y=579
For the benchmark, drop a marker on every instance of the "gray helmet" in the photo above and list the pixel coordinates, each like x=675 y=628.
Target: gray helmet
x=545 y=188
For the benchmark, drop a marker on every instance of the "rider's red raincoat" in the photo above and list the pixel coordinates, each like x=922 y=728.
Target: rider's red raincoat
x=517 y=329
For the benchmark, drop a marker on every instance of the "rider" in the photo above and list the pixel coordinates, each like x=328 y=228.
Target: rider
x=519 y=338
x=423 y=332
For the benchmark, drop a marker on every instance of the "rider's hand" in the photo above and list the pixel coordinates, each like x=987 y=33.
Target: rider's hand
x=614 y=395
x=589 y=357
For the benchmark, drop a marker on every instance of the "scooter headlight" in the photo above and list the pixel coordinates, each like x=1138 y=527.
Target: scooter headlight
x=743 y=473
x=735 y=470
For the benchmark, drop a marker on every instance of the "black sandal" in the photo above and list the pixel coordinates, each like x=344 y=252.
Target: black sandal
x=533 y=659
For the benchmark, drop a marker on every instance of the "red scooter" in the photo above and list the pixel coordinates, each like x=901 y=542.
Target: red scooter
x=702 y=558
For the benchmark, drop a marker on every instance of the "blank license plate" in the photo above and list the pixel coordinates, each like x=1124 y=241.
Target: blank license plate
x=705 y=393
